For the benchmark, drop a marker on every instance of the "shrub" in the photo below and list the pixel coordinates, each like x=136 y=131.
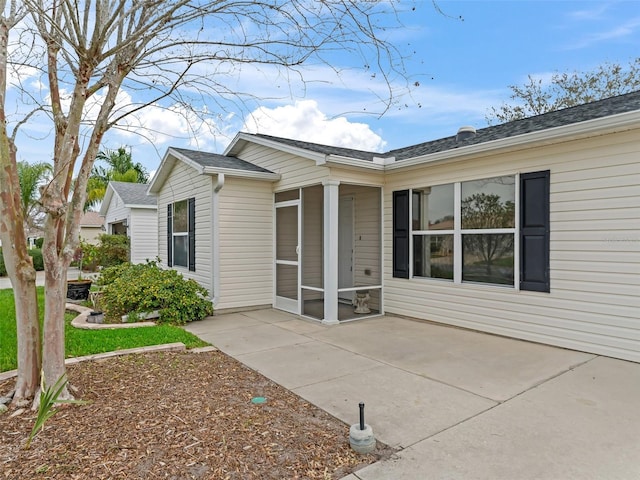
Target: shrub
x=35 y=253
x=39 y=242
x=112 y=250
x=136 y=289
x=38 y=262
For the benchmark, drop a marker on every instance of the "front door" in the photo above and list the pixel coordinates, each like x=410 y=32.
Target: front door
x=287 y=256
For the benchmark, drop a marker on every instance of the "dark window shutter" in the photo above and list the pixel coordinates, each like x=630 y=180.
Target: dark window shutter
x=170 y=235
x=192 y=233
x=534 y=231
x=401 y=234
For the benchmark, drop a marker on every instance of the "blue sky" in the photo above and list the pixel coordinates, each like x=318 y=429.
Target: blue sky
x=465 y=60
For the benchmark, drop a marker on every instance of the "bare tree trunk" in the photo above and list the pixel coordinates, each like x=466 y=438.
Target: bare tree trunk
x=28 y=332
x=23 y=279
x=19 y=266
x=18 y=263
x=55 y=267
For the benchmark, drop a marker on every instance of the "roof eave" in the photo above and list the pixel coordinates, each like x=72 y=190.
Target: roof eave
x=352 y=163
x=574 y=131
x=232 y=172
x=168 y=161
x=141 y=206
x=241 y=139
x=104 y=205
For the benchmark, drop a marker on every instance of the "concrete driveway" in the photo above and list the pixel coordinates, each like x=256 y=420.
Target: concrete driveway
x=456 y=404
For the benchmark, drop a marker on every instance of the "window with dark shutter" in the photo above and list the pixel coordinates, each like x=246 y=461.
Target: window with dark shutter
x=401 y=234
x=170 y=235
x=192 y=234
x=534 y=231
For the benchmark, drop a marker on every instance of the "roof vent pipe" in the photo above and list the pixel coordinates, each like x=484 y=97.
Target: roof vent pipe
x=464 y=133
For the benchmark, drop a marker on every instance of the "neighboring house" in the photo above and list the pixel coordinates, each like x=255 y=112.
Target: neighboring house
x=128 y=210
x=530 y=229
x=91 y=227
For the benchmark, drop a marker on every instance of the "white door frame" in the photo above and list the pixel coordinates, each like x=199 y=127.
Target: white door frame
x=284 y=303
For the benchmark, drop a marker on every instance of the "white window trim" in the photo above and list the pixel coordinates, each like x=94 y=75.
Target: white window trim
x=179 y=234
x=458 y=232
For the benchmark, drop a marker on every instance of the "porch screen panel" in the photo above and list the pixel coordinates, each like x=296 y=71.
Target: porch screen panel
x=287 y=233
x=312 y=237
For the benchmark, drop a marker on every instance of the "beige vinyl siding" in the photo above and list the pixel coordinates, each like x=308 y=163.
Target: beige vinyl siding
x=296 y=171
x=116 y=212
x=91 y=234
x=182 y=183
x=143 y=232
x=594 y=302
x=246 y=243
x=357 y=177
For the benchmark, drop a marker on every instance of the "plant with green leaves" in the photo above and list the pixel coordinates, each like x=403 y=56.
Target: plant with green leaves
x=567 y=89
x=49 y=398
x=134 y=290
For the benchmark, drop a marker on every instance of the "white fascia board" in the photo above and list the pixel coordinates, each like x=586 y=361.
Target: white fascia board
x=162 y=172
x=353 y=163
x=232 y=172
x=167 y=163
x=143 y=207
x=104 y=206
x=574 y=131
x=241 y=138
x=183 y=158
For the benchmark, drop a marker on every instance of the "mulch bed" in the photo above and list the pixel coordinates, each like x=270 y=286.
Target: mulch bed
x=178 y=416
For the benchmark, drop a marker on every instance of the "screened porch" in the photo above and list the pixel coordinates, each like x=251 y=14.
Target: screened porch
x=328 y=251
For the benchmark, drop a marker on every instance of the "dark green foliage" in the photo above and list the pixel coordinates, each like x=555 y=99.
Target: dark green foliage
x=38 y=262
x=111 y=250
x=136 y=289
x=35 y=253
x=39 y=242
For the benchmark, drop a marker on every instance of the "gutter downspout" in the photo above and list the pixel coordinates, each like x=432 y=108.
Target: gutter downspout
x=215 y=240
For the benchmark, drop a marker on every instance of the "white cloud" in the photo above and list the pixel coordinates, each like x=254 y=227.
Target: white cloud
x=159 y=125
x=305 y=121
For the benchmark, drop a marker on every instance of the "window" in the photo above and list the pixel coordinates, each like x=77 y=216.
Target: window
x=467 y=231
x=432 y=224
x=487 y=213
x=181 y=234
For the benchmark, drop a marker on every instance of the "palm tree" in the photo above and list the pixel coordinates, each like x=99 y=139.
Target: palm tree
x=31 y=177
x=120 y=168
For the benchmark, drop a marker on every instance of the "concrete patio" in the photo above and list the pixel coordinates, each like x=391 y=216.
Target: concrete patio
x=456 y=404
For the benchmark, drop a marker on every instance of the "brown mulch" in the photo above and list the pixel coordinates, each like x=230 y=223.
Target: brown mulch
x=178 y=416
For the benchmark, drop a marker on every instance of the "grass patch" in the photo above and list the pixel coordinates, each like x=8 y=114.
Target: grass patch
x=86 y=342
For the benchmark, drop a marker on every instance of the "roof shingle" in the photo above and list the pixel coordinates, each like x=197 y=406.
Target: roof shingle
x=216 y=160
x=134 y=193
x=603 y=108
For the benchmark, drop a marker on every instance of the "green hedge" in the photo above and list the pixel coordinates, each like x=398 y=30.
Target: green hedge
x=35 y=253
x=110 y=250
x=137 y=289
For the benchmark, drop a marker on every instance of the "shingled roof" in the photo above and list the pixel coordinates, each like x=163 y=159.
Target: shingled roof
x=567 y=116
x=215 y=160
x=324 y=149
x=603 y=108
x=133 y=193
